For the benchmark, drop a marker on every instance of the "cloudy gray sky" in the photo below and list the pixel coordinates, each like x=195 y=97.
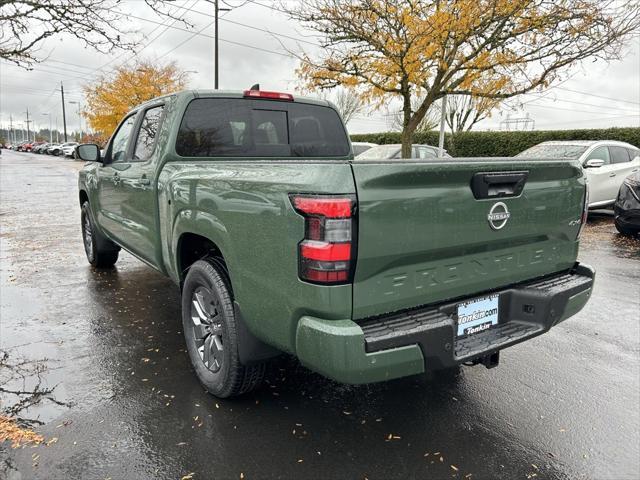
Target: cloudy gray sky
x=594 y=94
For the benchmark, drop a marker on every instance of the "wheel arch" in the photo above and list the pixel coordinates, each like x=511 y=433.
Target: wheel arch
x=192 y=247
x=83 y=196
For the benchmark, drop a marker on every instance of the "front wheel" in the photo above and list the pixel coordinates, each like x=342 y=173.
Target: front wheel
x=211 y=332
x=101 y=252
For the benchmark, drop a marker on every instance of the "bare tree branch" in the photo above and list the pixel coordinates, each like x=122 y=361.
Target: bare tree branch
x=26 y=24
x=485 y=49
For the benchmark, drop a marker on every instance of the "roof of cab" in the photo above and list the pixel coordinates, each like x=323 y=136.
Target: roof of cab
x=230 y=94
x=240 y=94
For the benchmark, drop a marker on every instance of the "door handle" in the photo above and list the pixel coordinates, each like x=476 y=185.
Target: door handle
x=144 y=181
x=498 y=184
x=635 y=169
x=612 y=174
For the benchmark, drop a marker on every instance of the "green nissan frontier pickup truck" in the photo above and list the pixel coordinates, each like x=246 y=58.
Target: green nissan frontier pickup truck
x=366 y=271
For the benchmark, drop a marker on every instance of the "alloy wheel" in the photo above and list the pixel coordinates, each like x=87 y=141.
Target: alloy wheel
x=206 y=318
x=87 y=236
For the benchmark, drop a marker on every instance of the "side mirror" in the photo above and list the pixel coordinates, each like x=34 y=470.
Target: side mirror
x=89 y=152
x=593 y=163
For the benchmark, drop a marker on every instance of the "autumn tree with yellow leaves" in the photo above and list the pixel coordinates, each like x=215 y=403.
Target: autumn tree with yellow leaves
x=492 y=49
x=113 y=95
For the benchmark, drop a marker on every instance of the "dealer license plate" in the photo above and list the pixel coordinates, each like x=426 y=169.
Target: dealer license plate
x=477 y=315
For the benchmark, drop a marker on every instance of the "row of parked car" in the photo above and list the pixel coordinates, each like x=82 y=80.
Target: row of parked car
x=612 y=168
x=66 y=149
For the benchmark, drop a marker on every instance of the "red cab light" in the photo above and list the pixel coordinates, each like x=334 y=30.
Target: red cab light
x=270 y=95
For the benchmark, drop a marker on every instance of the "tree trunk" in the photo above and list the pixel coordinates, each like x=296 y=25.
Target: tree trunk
x=407 y=131
x=405 y=138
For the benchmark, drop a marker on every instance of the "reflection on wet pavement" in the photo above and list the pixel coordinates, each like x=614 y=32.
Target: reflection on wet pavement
x=563 y=405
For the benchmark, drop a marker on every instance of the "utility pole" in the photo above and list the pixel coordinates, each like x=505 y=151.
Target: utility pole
x=443 y=113
x=28 y=131
x=12 y=136
x=215 y=54
x=64 y=115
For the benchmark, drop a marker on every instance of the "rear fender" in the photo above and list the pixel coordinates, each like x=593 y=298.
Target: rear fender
x=207 y=225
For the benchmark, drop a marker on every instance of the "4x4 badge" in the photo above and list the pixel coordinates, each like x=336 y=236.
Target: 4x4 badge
x=498 y=216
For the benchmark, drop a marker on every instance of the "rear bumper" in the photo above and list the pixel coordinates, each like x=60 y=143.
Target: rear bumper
x=408 y=343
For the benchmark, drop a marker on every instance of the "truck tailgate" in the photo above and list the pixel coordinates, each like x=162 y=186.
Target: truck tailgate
x=424 y=233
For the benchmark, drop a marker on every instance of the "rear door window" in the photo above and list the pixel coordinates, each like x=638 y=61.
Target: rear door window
x=146 y=141
x=633 y=153
x=619 y=154
x=425 y=152
x=233 y=127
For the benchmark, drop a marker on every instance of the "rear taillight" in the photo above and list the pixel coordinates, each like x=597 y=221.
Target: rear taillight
x=326 y=254
x=634 y=187
x=585 y=211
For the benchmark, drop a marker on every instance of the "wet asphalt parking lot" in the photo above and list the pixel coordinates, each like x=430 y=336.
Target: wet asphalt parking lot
x=565 y=405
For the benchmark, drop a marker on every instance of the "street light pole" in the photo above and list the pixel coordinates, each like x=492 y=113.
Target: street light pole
x=79 y=118
x=50 y=131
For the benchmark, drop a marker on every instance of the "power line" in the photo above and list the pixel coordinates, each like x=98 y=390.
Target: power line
x=83 y=77
x=594 y=112
x=598 y=96
x=29 y=89
x=252 y=27
x=590 y=120
x=168 y=21
x=41 y=95
x=193 y=35
x=578 y=103
x=164 y=30
x=240 y=44
x=270 y=7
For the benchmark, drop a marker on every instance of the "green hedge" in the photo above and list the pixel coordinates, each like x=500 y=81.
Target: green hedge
x=503 y=144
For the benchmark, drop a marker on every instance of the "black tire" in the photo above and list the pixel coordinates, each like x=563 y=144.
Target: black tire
x=623 y=230
x=101 y=252
x=211 y=332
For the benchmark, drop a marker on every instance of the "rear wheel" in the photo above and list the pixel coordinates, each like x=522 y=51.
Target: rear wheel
x=211 y=333
x=101 y=252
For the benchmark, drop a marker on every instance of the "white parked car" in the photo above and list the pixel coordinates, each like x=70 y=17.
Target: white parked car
x=606 y=162
x=360 y=147
x=68 y=148
x=394 y=151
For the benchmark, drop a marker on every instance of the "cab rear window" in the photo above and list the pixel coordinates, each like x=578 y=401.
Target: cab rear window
x=234 y=127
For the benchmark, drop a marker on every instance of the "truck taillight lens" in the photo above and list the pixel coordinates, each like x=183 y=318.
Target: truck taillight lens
x=585 y=211
x=326 y=254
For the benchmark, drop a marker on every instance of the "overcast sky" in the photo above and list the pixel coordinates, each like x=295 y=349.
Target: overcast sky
x=595 y=94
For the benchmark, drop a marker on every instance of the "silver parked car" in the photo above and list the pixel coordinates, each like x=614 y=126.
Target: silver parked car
x=394 y=150
x=606 y=162
x=361 y=147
